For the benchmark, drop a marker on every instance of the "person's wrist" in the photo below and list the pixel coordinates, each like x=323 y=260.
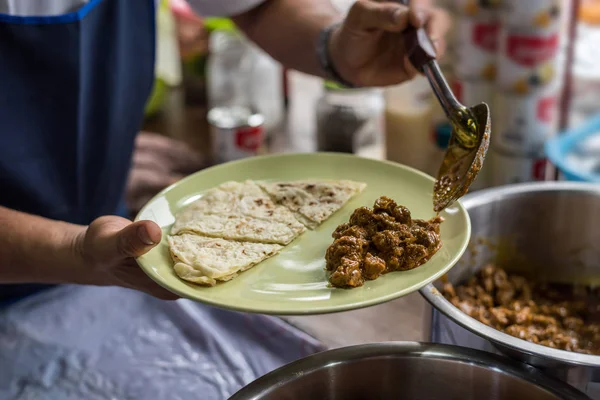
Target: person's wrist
x=330 y=57
x=78 y=266
x=336 y=57
x=59 y=257
x=74 y=253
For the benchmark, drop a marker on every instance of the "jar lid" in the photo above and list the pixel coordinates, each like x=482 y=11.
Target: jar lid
x=589 y=12
x=219 y=24
x=331 y=85
x=334 y=86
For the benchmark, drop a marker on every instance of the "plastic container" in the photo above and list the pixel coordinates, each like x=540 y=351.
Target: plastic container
x=586 y=74
x=528 y=59
x=523 y=124
x=576 y=153
x=476 y=43
x=538 y=14
x=408 y=125
x=509 y=168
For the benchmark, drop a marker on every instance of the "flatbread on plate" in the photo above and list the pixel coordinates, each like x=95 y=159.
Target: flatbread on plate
x=205 y=260
x=312 y=201
x=239 y=224
x=239 y=211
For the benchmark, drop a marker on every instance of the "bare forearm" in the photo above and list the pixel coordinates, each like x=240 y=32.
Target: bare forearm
x=35 y=249
x=288 y=30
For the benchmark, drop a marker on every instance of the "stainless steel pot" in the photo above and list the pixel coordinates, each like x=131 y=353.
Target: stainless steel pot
x=547 y=230
x=406 y=370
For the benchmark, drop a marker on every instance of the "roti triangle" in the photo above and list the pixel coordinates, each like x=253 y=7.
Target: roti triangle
x=239 y=211
x=205 y=260
x=312 y=201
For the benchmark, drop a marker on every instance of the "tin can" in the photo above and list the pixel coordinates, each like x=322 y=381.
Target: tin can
x=475 y=8
x=471 y=92
x=535 y=14
x=528 y=60
x=475 y=47
x=522 y=124
x=236 y=133
x=510 y=168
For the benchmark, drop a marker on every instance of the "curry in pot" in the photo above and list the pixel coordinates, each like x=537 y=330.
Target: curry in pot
x=565 y=317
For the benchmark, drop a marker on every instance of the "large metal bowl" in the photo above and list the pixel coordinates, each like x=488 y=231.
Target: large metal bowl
x=406 y=370
x=545 y=230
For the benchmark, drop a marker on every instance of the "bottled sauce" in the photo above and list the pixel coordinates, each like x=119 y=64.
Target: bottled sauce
x=408 y=126
x=350 y=120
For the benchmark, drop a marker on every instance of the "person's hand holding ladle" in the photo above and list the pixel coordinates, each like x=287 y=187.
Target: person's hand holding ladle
x=470 y=126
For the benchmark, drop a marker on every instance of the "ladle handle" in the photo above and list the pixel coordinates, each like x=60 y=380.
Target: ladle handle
x=419 y=47
x=422 y=55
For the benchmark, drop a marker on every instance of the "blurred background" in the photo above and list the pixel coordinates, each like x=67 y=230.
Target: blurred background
x=218 y=98
x=534 y=62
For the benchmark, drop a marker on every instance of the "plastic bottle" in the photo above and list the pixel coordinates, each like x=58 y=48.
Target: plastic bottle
x=408 y=125
x=241 y=74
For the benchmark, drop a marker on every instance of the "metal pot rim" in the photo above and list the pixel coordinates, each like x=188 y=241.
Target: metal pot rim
x=315 y=362
x=438 y=301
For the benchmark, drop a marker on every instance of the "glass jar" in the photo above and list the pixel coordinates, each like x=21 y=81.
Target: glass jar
x=350 y=120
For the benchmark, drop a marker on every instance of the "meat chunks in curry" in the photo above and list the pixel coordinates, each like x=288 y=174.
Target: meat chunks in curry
x=380 y=240
x=565 y=317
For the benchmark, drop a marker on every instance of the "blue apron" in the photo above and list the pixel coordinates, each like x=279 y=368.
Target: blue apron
x=72 y=94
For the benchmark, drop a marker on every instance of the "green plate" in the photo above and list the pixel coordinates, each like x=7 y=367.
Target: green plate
x=294 y=281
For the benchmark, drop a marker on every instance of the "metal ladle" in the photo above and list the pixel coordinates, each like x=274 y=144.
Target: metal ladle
x=471 y=127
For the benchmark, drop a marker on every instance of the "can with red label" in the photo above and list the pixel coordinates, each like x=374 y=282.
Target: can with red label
x=472 y=92
x=475 y=47
x=536 y=14
x=508 y=168
x=527 y=59
x=236 y=133
x=522 y=124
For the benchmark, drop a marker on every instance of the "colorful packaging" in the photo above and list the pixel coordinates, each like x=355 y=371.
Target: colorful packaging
x=472 y=92
x=508 y=168
x=527 y=60
x=522 y=124
x=476 y=8
x=475 y=47
x=537 y=14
